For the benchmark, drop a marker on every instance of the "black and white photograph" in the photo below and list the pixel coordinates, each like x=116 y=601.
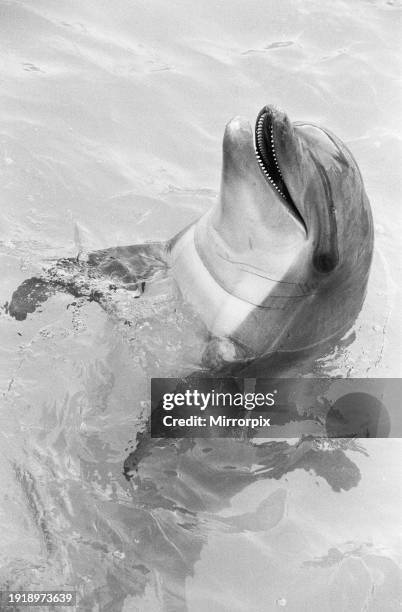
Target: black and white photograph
x=200 y=306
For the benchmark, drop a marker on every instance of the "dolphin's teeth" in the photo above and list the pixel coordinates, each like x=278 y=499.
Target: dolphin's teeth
x=273 y=150
x=274 y=155
x=260 y=159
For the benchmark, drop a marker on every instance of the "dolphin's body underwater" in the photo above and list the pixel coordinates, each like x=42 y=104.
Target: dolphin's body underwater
x=280 y=264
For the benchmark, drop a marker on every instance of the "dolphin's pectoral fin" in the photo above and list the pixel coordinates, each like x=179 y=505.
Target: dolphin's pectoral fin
x=64 y=276
x=127 y=268
x=34 y=291
x=28 y=296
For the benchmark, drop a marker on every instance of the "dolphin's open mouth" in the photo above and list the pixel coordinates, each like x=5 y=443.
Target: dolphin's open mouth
x=267 y=159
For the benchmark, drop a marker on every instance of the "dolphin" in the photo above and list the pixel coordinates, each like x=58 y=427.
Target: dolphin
x=281 y=263
x=279 y=266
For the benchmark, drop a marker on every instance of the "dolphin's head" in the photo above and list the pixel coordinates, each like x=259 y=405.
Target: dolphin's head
x=321 y=185
x=281 y=262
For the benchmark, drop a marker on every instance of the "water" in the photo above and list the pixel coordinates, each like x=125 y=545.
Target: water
x=112 y=115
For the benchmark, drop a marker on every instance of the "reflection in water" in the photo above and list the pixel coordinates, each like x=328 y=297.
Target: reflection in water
x=122 y=518
x=112 y=531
